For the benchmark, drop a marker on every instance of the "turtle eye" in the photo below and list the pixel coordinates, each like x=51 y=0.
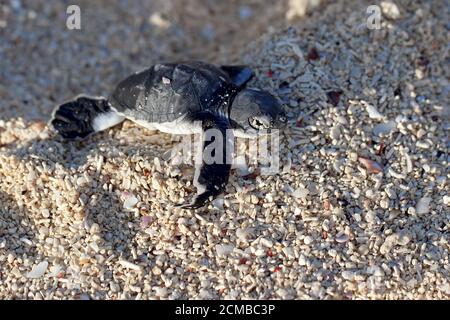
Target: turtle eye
x=282 y=119
x=256 y=123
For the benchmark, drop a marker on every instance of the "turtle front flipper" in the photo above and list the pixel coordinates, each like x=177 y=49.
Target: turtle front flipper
x=211 y=176
x=239 y=75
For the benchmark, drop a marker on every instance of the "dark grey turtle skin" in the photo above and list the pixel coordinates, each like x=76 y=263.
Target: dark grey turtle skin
x=180 y=98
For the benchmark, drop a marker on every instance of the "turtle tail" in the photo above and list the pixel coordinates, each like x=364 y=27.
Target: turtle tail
x=83 y=116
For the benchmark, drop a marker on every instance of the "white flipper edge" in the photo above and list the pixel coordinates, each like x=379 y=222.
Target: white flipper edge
x=106 y=120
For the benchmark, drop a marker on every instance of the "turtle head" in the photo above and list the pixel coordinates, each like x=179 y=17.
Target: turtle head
x=255 y=111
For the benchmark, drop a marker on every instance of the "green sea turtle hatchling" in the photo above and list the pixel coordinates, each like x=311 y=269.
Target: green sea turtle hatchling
x=179 y=98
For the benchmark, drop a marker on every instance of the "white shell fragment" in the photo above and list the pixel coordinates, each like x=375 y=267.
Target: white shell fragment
x=335 y=133
x=390 y=9
x=384 y=128
x=300 y=193
x=423 y=205
x=308 y=240
x=388 y=244
x=373 y=112
x=446 y=200
x=130 y=265
x=396 y=174
x=26 y=241
x=266 y=242
x=157 y=20
x=409 y=164
x=55 y=270
x=218 y=203
x=224 y=249
x=130 y=202
x=242 y=234
x=38 y=270
x=342 y=238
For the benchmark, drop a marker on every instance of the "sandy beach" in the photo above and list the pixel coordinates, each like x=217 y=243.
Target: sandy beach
x=360 y=208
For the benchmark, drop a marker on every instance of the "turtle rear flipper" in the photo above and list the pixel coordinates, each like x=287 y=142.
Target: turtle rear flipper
x=78 y=118
x=211 y=177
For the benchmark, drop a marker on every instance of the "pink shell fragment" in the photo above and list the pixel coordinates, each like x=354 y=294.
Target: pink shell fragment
x=370 y=165
x=145 y=221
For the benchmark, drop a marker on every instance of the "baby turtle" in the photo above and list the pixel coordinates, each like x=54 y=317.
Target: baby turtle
x=179 y=98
